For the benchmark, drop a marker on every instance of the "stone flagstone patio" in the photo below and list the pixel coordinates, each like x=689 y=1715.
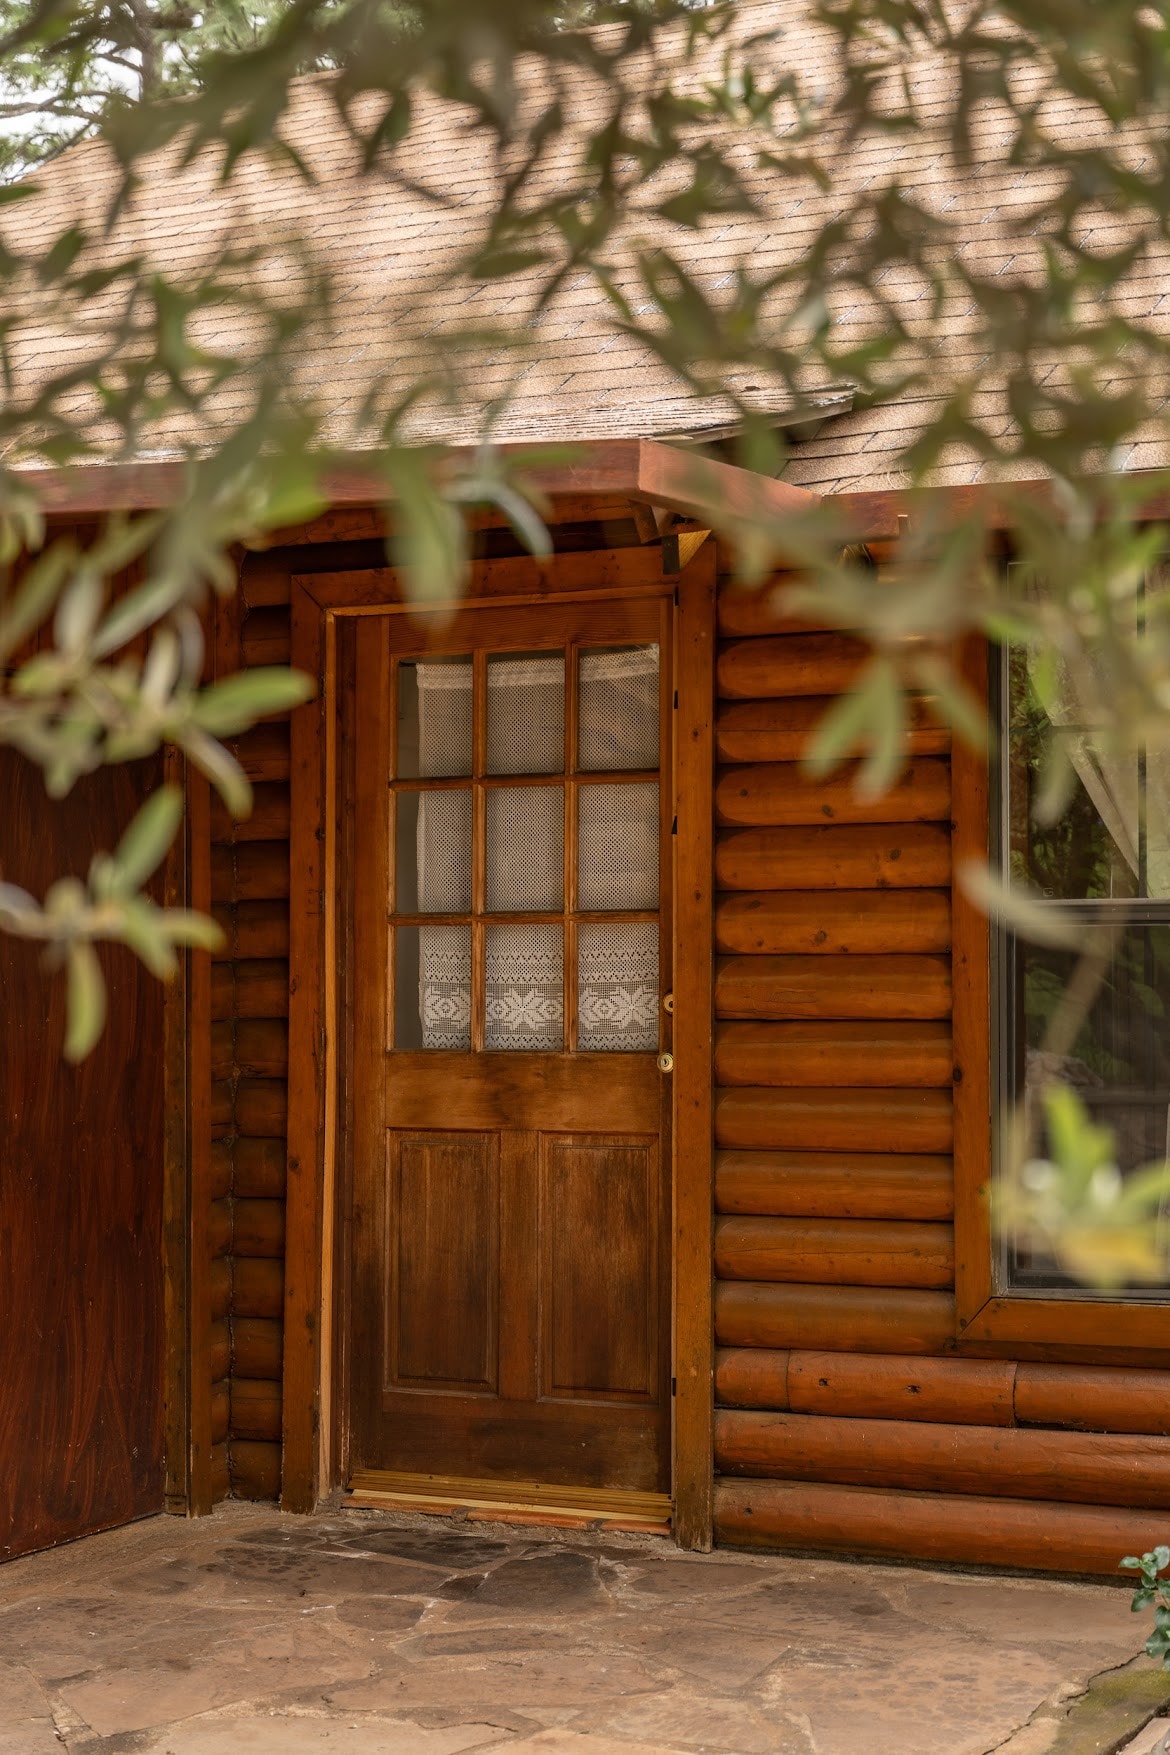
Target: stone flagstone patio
x=372 y=1634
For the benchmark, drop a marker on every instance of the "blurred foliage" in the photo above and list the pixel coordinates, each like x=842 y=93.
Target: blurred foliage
x=1077 y=1210
x=1049 y=119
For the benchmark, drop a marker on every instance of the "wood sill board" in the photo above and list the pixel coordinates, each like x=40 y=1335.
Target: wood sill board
x=533 y=1502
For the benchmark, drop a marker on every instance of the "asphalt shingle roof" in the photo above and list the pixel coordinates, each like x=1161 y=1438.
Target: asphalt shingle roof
x=392 y=253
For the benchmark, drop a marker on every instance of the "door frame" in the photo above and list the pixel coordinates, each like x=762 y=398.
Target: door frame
x=313 y=1400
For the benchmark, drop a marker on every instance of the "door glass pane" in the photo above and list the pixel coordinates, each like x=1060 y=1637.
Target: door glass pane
x=526 y=713
x=434 y=718
x=525 y=987
x=432 y=987
x=618 y=847
x=618 y=704
x=433 y=853
x=617 y=986
x=525 y=849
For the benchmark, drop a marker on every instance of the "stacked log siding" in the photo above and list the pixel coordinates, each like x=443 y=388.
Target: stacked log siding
x=845 y=1419
x=250 y=887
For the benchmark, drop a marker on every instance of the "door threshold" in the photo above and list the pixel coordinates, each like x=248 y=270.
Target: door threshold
x=532 y=1502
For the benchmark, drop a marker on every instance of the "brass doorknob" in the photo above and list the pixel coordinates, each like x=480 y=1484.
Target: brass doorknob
x=666 y=1063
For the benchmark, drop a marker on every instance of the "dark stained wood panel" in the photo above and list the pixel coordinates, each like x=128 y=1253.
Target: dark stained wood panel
x=601 y=1292
x=443 y=1249
x=509 y=1293
x=81 y=1264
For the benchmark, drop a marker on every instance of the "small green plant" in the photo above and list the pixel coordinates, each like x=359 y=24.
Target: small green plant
x=1156 y=1590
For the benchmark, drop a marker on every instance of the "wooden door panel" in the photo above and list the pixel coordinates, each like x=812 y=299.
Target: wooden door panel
x=599 y=1202
x=443 y=1253
x=510 y=1205
x=81 y=1219
x=586 y=1444
x=523 y=1091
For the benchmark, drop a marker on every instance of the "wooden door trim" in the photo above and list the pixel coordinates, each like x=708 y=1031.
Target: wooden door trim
x=311 y=1453
x=186 y=1169
x=693 y=1204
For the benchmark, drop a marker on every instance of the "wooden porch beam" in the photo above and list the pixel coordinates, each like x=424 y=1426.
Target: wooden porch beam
x=644 y=470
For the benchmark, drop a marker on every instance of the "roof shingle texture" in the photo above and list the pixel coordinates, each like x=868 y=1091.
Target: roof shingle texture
x=392 y=240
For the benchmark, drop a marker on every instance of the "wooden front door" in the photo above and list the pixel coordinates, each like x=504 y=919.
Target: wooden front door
x=510 y=836
x=82 y=1332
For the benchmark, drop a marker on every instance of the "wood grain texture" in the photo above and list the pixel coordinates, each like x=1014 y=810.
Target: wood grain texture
x=260 y=1048
x=833 y=987
x=1018 y=1463
x=780 y=794
x=250 y=990
x=833 y=1120
x=840 y=923
x=789 y=664
x=254 y=930
x=306 y=1102
x=267 y=821
x=176 y=1186
x=867 y=1385
x=255 y=1409
x=261 y=1108
x=972 y=1023
x=780 y=731
x=952 y=1527
x=761 y=609
x=264 y=752
x=260 y=870
x=846 y=1319
x=81 y=1192
x=693 y=1202
x=850 y=1252
x=258 y=1228
x=508 y=1246
x=847 y=1185
x=267 y=636
x=257 y=1346
x=256 y=1469
x=260 y=1169
x=1099 y=1400
x=845 y=857
x=257 y=1287
x=206 y=1186
x=834 y=1054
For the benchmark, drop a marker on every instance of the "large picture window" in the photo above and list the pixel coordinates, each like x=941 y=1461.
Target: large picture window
x=1103 y=867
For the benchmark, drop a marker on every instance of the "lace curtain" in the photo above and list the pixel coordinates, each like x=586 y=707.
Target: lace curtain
x=617 y=976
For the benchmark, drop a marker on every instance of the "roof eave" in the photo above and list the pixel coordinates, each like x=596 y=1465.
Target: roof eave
x=640 y=469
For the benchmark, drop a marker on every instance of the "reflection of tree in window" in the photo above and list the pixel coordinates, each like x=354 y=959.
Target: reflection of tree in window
x=1102 y=863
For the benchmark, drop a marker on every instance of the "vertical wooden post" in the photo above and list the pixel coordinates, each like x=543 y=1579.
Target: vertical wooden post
x=198 y=1149
x=693 y=1013
x=306 y=1090
x=971 y=1012
x=176 y=1191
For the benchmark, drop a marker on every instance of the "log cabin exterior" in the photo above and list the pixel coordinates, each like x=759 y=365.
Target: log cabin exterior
x=730 y=1277
x=826 y=1360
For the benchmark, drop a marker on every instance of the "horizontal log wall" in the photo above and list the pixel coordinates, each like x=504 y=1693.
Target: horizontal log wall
x=250 y=887
x=845 y=1420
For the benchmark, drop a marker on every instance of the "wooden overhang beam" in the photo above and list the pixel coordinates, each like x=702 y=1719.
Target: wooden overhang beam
x=645 y=471
x=879 y=515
